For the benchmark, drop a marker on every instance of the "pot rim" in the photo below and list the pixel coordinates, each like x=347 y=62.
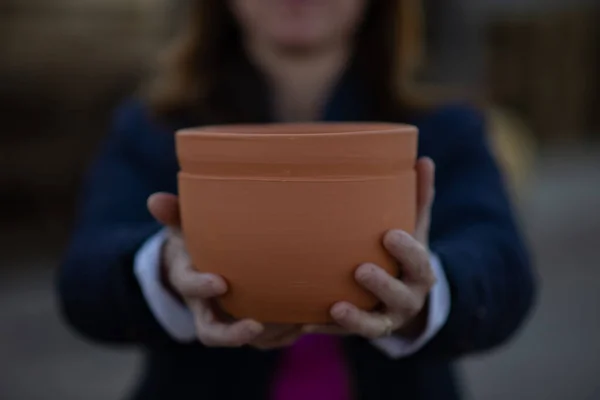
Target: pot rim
x=298 y=129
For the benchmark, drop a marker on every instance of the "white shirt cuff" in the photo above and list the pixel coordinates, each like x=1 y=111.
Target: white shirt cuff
x=178 y=320
x=173 y=316
x=439 y=308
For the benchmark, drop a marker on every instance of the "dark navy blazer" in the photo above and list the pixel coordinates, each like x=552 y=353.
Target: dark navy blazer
x=473 y=232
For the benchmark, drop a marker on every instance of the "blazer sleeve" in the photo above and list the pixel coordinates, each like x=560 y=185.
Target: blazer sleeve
x=98 y=293
x=476 y=237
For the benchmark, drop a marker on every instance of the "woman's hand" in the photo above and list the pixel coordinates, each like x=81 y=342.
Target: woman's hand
x=198 y=291
x=404 y=300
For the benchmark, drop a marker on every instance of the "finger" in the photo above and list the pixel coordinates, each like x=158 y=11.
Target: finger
x=277 y=332
x=278 y=344
x=184 y=278
x=359 y=322
x=174 y=249
x=280 y=339
x=413 y=258
x=192 y=284
x=425 y=169
x=213 y=333
x=164 y=207
x=326 y=329
x=391 y=291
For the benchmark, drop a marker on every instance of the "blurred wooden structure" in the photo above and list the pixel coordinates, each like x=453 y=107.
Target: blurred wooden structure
x=545 y=67
x=64 y=64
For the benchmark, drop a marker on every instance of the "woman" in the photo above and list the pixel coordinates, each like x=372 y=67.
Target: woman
x=465 y=286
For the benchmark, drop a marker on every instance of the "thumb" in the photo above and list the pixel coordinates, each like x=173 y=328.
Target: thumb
x=425 y=196
x=164 y=207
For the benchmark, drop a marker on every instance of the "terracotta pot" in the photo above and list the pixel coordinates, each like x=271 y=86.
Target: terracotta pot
x=287 y=212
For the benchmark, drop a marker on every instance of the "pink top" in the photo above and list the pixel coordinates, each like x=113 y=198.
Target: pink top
x=313 y=368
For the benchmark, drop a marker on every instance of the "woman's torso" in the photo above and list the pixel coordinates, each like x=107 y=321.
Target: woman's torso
x=180 y=371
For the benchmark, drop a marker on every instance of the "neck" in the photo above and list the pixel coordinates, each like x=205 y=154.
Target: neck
x=300 y=82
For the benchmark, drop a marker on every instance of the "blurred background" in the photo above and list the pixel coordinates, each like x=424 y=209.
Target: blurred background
x=64 y=65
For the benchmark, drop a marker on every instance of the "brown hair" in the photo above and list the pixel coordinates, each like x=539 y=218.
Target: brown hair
x=204 y=72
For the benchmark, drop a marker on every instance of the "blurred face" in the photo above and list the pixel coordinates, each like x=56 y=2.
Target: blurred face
x=299 y=24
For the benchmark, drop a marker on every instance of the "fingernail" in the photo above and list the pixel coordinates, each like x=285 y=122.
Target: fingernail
x=394 y=238
x=396 y=235
x=308 y=329
x=339 y=311
x=365 y=271
x=254 y=328
x=216 y=284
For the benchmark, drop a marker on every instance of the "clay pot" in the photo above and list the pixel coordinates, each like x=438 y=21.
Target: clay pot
x=287 y=212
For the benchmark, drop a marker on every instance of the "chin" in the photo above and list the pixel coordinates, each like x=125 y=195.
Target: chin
x=298 y=45
x=300 y=41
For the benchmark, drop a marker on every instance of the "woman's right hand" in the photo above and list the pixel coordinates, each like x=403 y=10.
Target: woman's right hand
x=199 y=290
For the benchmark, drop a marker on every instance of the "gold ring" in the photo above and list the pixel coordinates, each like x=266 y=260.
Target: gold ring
x=389 y=326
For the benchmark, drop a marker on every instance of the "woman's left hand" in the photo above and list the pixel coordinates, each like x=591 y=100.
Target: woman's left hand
x=404 y=299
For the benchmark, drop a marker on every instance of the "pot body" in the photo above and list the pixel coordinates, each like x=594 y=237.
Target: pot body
x=287 y=212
